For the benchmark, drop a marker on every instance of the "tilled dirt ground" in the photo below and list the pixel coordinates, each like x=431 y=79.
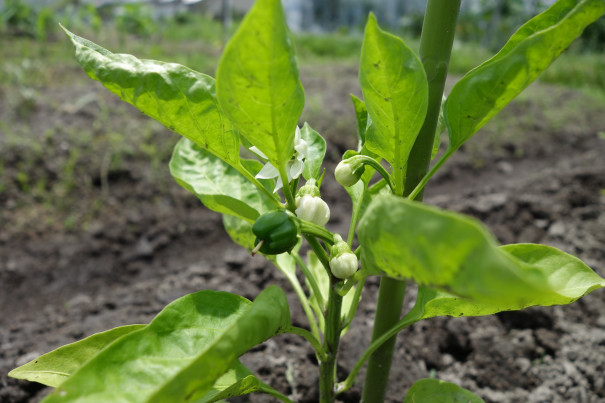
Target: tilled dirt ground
x=150 y=246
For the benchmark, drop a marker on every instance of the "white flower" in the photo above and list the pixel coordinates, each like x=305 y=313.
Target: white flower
x=313 y=209
x=294 y=167
x=344 y=265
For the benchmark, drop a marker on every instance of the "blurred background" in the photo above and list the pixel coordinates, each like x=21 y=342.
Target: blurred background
x=66 y=144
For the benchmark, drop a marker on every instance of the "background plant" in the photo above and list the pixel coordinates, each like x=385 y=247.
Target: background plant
x=209 y=165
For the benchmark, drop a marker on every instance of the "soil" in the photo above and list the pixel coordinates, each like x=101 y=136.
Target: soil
x=151 y=243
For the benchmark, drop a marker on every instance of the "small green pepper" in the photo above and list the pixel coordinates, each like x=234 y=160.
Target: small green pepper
x=276 y=232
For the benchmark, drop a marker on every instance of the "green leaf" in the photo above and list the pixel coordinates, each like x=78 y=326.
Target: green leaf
x=181 y=353
x=565 y=273
x=237 y=381
x=181 y=99
x=218 y=185
x=361 y=113
x=395 y=90
x=362 y=196
x=431 y=390
x=379 y=188
x=485 y=90
x=431 y=303
x=257 y=82
x=240 y=231
x=441 y=126
x=457 y=254
x=52 y=368
x=315 y=153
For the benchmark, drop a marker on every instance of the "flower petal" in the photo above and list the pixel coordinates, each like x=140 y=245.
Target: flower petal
x=278 y=184
x=268 y=172
x=295 y=168
x=301 y=148
x=258 y=152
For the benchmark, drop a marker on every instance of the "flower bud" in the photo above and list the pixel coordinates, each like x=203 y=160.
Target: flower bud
x=343 y=262
x=313 y=209
x=344 y=266
x=347 y=173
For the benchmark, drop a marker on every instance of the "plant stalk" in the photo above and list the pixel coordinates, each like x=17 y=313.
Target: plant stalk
x=327 y=367
x=435 y=48
x=286 y=189
x=314 y=230
x=310 y=279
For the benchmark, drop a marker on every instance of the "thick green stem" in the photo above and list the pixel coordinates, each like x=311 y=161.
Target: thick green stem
x=435 y=49
x=388 y=312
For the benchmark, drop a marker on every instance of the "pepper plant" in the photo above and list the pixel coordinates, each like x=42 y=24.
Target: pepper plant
x=190 y=350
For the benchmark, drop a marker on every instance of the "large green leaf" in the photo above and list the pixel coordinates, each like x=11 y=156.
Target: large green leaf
x=430 y=390
x=457 y=254
x=485 y=90
x=181 y=353
x=395 y=90
x=237 y=381
x=52 y=368
x=315 y=153
x=218 y=185
x=257 y=82
x=181 y=99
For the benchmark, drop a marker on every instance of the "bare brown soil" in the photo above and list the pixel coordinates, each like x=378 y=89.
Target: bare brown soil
x=151 y=242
